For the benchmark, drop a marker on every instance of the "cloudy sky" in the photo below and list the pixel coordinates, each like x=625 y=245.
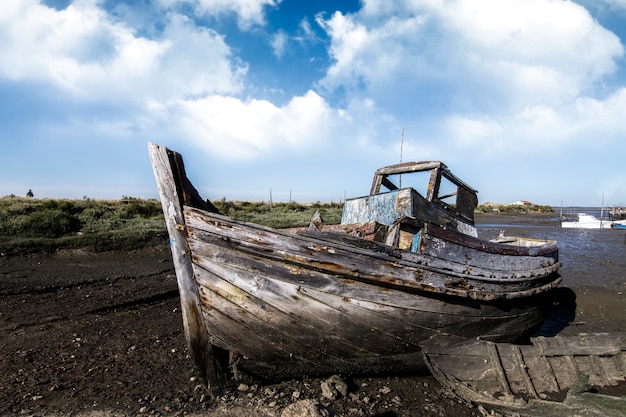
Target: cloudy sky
x=523 y=99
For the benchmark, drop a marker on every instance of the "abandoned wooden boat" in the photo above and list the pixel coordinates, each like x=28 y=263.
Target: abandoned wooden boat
x=582 y=375
x=353 y=297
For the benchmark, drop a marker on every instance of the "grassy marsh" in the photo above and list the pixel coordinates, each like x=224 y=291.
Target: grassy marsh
x=44 y=225
x=30 y=225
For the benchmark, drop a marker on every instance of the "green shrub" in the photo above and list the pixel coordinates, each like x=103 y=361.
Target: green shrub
x=513 y=208
x=279 y=215
x=49 y=223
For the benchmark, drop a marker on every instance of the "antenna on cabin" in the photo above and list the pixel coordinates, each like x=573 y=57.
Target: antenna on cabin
x=401 y=146
x=401 y=143
x=602 y=208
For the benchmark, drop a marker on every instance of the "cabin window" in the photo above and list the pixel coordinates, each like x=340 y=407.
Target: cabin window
x=448 y=192
x=417 y=180
x=433 y=181
x=457 y=197
x=466 y=203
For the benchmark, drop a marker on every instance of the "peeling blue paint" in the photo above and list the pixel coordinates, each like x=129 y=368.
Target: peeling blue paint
x=383 y=208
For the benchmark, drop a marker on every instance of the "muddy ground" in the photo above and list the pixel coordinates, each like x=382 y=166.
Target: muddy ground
x=101 y=334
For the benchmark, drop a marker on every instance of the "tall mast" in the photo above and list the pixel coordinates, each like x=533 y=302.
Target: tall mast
x=401 y=143
x=401 y=146
x=602 y=207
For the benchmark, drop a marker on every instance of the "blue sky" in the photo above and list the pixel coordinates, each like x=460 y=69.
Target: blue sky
x=523 y=99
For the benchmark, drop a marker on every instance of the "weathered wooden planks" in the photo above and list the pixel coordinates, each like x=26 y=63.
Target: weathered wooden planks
x=548 y=375
x=347 y=303
x=374 y=263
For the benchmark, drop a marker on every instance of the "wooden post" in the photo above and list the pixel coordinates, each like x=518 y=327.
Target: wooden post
x=169 y=182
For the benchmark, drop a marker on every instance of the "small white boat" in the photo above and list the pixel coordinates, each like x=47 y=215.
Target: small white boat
x=619 y=225
x=587 y=221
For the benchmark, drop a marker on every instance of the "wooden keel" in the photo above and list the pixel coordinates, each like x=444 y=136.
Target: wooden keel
x=208 y=369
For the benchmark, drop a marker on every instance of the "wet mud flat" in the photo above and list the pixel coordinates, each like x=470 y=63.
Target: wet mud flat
x=101 y=334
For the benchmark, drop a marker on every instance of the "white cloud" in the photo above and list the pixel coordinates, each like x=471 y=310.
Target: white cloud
x=279 y=43
x=307 y=31
x=86 y=54
x=614 y=3
x=504 y=82
x=602 y=120
x=249 y=12
x=349 y=41
x=585 y=123
x=234 y=129
x=198 y=61
x=501 y=76
x=471 y=132
x=498 y=53
x=535 y=43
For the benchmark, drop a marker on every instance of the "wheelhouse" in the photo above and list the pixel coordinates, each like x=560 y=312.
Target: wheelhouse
x=424 y=191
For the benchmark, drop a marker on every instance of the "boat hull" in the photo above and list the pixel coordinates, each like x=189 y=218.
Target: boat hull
x=319 y=301
x=277 y=297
